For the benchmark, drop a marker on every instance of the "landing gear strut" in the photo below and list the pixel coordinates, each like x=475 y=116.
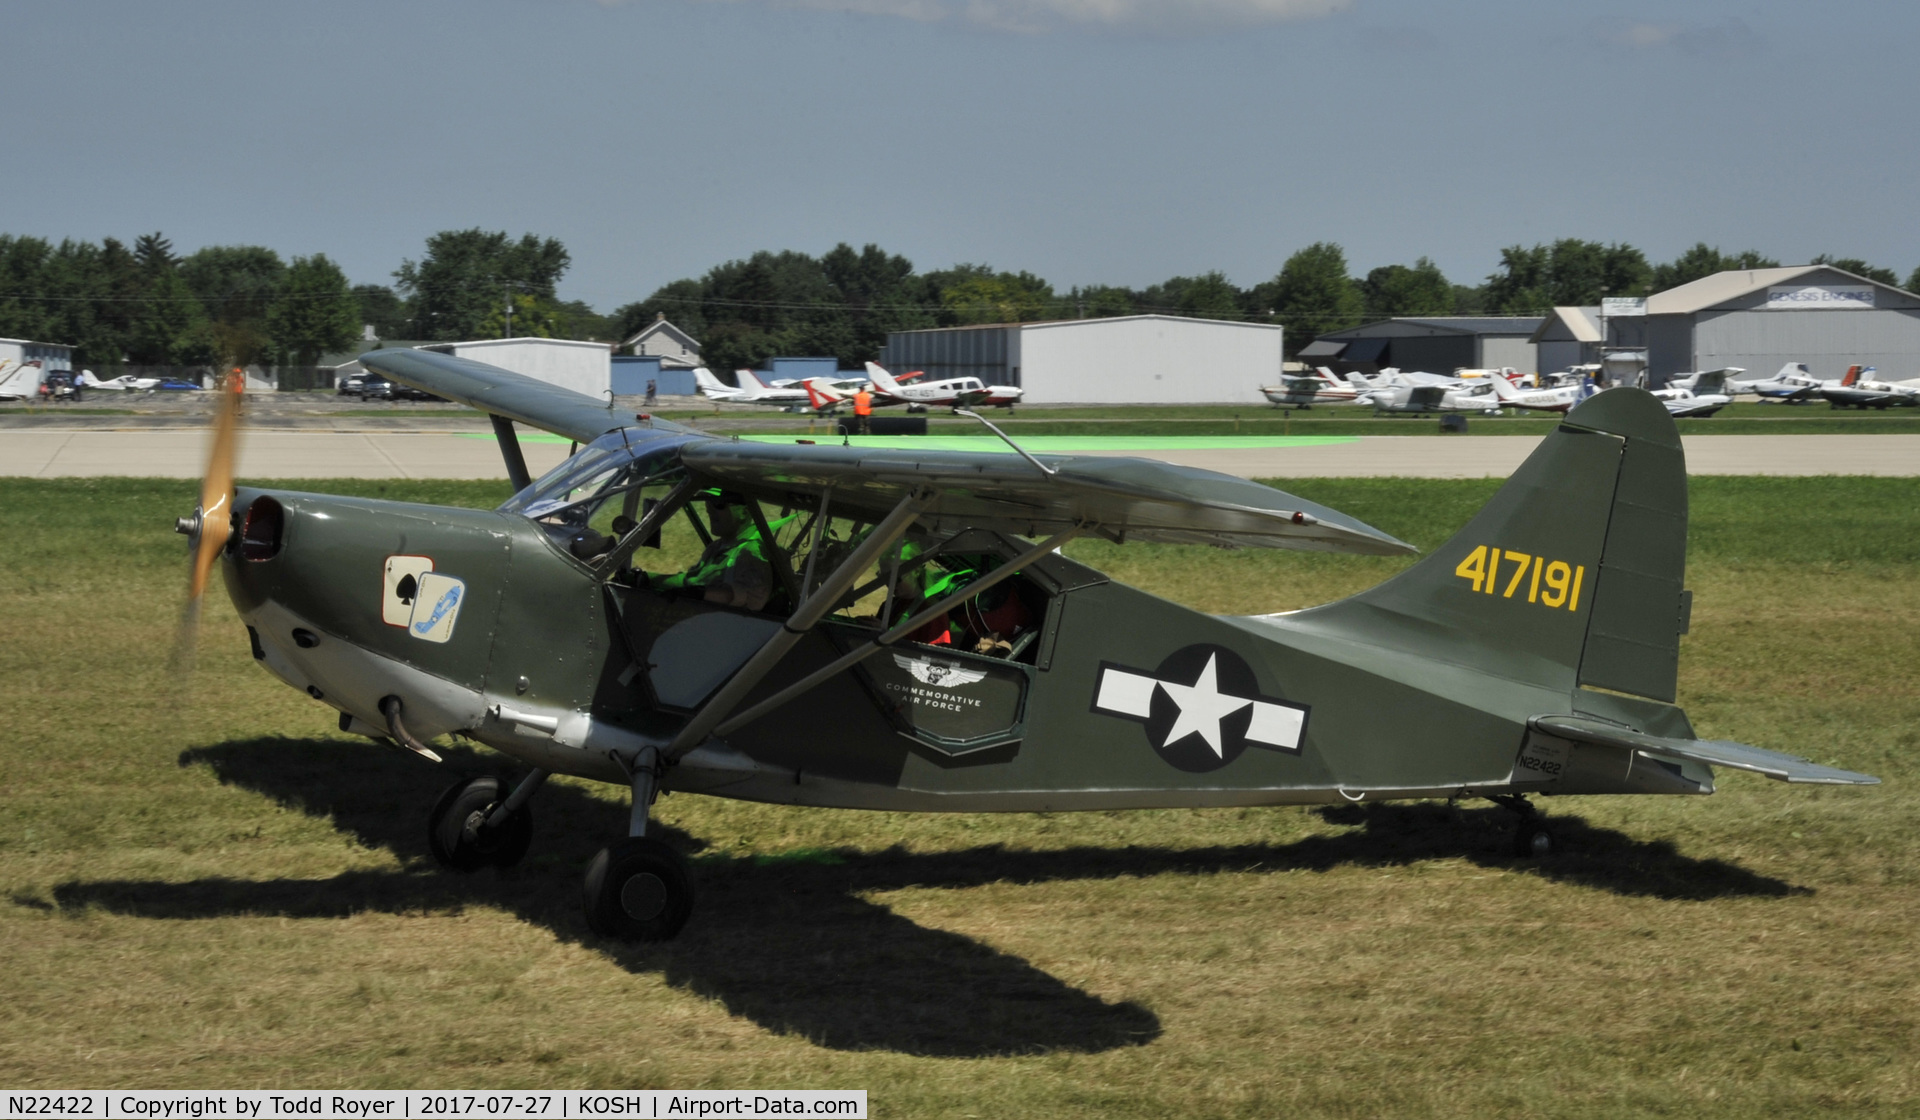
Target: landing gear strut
x=473 y=825
x=1531 y=839
x=639 y=889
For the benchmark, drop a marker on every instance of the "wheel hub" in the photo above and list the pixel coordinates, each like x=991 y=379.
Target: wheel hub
x=643 y=896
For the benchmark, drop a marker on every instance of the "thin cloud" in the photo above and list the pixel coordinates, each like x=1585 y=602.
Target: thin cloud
x=1036 y=17
x=1732 y=38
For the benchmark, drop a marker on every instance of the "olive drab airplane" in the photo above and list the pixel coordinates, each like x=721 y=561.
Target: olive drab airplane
x=867 y=628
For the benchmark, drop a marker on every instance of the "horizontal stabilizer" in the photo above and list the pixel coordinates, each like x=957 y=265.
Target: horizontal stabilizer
x=1713 y=752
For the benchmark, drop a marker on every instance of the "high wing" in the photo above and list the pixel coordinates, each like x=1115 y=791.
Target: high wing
x=1122 y=499
x=500 y=392
x=1119 y=498
x=1714 y=752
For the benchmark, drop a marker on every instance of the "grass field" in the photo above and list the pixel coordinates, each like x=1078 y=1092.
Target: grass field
x=203 y=885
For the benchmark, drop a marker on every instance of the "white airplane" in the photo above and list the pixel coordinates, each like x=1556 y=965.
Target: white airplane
x=1559 y=398
x=19 y=381
x=953 y=392
x=126 y=382
x=1318 y=387
x=1697 y=394
x=751 y=389
x=1859 y=390
x=1794 y=384
x=1421 y=399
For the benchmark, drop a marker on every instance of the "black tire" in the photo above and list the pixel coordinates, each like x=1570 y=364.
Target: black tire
x=461 y=840
x=638 y=890
x=1532 y=841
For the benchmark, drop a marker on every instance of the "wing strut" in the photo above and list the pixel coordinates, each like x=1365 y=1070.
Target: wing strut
x=812 y=610
x=510 y=451
x=874 y=645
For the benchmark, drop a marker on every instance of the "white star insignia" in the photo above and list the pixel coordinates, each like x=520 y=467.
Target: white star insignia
x=1124 y=692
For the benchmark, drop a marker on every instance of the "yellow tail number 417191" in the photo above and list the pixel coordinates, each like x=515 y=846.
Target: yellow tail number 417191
x=1502 y=571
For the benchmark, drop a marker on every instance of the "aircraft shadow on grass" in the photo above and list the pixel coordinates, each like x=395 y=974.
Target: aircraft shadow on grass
x=789 y=942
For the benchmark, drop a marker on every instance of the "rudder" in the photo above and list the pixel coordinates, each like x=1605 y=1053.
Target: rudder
x=1570 y=575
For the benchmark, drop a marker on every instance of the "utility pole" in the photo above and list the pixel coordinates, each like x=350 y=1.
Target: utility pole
x=509 y=329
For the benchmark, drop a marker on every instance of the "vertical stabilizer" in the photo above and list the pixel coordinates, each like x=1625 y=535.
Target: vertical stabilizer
x=1571 y=575
x=882 y=380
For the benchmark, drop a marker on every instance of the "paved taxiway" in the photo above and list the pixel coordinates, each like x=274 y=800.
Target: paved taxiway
x=293 y=453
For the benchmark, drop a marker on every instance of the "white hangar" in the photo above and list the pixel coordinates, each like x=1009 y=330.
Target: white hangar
x=1128 y=359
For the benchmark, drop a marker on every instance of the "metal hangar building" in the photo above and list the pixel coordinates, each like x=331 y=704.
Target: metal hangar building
x=1759 y=319
x=1128 y=359
x=1435 y=344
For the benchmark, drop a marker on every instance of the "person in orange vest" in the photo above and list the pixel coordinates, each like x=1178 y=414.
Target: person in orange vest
x=862 y=409
x=237 y=383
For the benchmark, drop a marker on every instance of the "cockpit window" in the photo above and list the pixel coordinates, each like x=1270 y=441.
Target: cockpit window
x=597 y=495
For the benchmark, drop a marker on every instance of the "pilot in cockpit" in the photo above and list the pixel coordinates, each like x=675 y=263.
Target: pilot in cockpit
x=733 y=570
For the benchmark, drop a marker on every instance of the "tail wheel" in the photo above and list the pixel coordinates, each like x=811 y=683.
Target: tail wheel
x=1532 y=841
x=638 y=890
x=461 y=838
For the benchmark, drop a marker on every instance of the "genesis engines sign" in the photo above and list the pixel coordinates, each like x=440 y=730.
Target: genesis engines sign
x=1823 y=297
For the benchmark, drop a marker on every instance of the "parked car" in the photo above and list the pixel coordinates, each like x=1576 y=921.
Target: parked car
x=174 y=384
x=377 y=387
x=350 y=384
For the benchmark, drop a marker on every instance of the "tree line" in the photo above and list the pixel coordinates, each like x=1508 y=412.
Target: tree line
x=845 y=302
x=244 y=305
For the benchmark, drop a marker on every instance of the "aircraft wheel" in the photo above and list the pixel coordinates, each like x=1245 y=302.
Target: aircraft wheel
x=638 y=890
x=1532 y=841
x=461 y=839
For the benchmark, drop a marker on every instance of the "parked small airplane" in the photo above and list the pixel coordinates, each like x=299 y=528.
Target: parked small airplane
x=1697 y=394
x=1319 y=387
x=19 y=381
x=1794 y=384
x=1420 y=400
x=750 y=390
x=1858 y=390
x=953 y=392
x=126 y=382
x=1559 y=398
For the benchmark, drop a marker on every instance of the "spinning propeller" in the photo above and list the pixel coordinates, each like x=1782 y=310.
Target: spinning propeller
x=212 y=521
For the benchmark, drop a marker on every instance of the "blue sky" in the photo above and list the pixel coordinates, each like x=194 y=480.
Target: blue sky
x=1088 y=141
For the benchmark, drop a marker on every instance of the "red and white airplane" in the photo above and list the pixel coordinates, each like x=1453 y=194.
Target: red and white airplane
x=953 y=392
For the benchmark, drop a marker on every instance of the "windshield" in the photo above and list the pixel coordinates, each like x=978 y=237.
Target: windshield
x=601 y=484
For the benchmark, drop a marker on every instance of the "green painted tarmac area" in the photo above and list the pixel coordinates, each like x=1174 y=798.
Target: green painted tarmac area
x=1061 y=444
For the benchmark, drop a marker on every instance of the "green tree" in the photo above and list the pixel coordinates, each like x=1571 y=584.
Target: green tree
x=1913 y=281
x=1313 y=294
x=1208 y=296
x=1704 y=260
x=1101 y=301
x=314 y=312
x=531 y=319
x=1570 y=272
x=463 y=280
x=171 y=328
x=971 y=294
x=1859 y=268
x=382 y=309
x=1394 y=291
x=236 y=284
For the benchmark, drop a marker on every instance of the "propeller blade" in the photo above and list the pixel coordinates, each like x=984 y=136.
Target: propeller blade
x=216 y=493
x=207 y=530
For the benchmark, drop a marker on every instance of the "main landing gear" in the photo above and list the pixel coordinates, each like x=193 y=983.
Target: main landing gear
x=472 y=826
x=636 y=890
x=1531 y=839
x=639 y=889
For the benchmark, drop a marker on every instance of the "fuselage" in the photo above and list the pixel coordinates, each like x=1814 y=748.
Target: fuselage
x=486 y=625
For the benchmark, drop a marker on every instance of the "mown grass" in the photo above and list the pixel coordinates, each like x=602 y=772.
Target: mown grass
x=204 y=885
